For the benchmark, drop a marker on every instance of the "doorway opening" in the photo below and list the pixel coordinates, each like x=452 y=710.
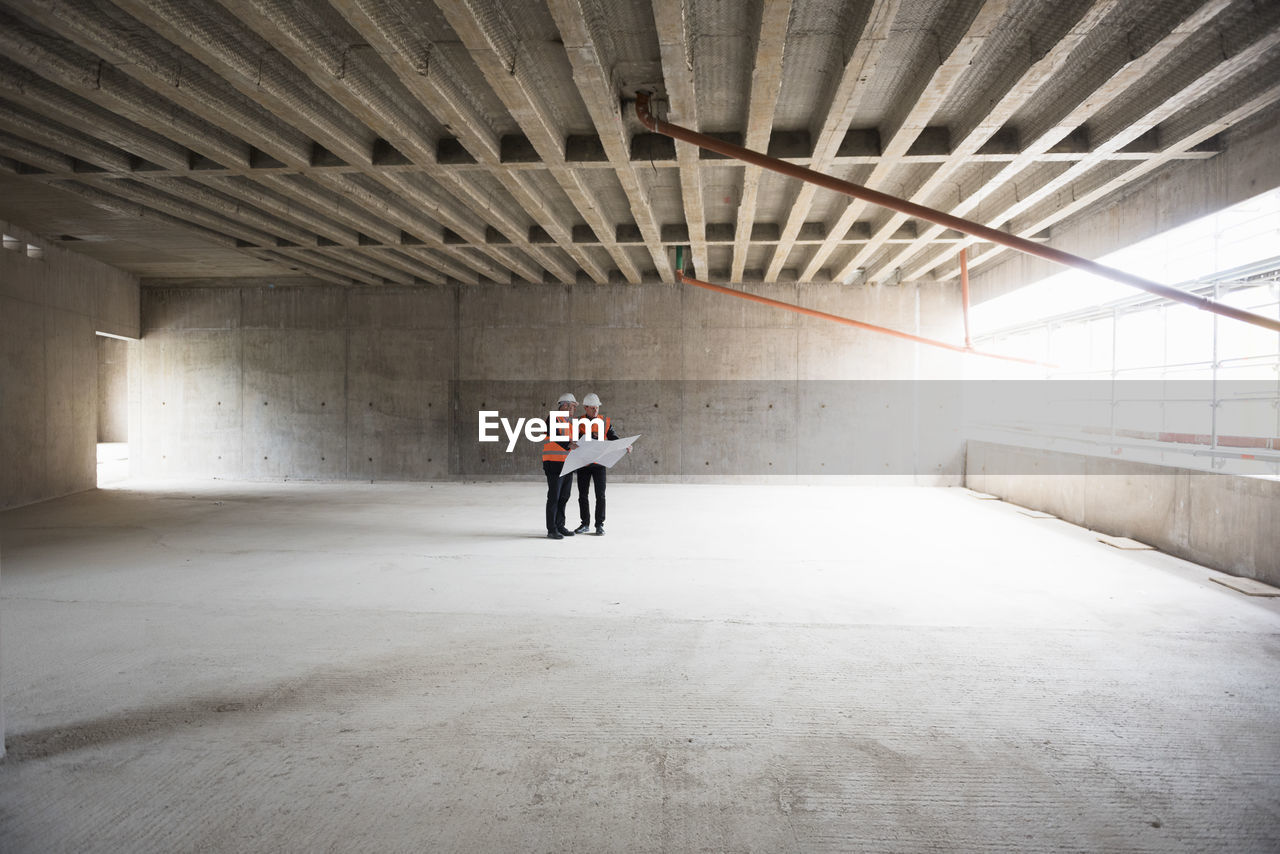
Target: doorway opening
x=113 y=409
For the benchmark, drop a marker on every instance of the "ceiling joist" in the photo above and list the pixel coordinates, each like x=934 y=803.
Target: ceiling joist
x=366 y=143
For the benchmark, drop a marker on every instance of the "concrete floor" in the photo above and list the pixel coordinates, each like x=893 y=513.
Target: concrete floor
x=290 y=667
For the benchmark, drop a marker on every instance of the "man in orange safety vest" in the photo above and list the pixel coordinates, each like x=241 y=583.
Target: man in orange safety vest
x=559 y=487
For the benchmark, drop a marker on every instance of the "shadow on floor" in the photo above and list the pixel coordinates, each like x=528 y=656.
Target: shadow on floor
x=164 y=718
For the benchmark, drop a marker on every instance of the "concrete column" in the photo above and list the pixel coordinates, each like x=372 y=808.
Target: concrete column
x=2 y=734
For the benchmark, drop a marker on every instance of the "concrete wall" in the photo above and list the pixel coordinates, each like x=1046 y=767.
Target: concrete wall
x=1222 y=521
x=50 y=308
x=113 y=390
x=1248 y=165
x=320 y=382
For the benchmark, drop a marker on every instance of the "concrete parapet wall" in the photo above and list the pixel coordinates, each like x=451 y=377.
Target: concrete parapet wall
x=1222 y=521
x=50 y=309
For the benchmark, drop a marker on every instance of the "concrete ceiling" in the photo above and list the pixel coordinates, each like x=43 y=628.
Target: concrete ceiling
x=376 y=141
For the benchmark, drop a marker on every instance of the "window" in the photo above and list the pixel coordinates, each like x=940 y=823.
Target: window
x=1182 y=386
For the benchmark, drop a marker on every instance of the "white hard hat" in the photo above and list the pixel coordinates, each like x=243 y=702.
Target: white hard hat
x=567 y=398
x=591 y=400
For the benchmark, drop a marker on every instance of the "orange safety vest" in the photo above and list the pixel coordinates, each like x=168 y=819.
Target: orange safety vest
x=553 y=453
x=593 y=430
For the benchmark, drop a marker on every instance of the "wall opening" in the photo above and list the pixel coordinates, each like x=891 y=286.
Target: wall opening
x=1152 y=379
x=113 y=409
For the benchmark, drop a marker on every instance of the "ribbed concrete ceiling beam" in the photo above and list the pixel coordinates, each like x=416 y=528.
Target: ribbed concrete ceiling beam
x=1243 y=69
x=1032 y=76
x=434 y=82
x=32 y=154
x=424 y=71
x=230 y=207
x=254 y=193
x=861 y=66
x=154 y=63
x=321 y=123
x=347 y=72
x=205 y=201
x=447 y=263
x=491 y=211
x=1082 y=200
x=351 y=77
x=673 y=20
x=251 y=65
x=421 y=267
x=912 y=116
x=306 y=191
x=39 y=129
x=1133 y=76
x=766 y=83
x=318 y=267
x=357 y=268
x=1129 y=72
x=181 y=208
x=67 y=65
x=389 y=207
x=385 y=262
x=109 y=201
x=490 y=37
x=260 y=72
x=466 y=268
x=117 y=91
x=582 y=29
x=23 y=87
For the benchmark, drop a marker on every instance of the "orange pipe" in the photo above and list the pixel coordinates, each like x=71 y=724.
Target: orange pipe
x=946 y=220
x=848 y=321
x=964 y=293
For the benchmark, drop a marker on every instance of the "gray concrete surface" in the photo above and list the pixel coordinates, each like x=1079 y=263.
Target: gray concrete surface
x=515 y=160
x=50 y=308
x=323 y=383
x=1231 y=523
x=411 y=667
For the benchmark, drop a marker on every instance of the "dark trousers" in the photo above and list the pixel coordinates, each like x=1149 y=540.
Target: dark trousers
x=586 y=475
x=558 y=491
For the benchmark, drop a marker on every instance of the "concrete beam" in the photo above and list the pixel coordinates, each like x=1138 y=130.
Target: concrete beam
x=866 y=55
x=263 y=76
x=434 y=83
x=766 y=83
x=1128 y=72
x=86 y=75
x=154 y=63
x=90 y=152
x=359 y=82
x=1236 y=69
x=591 y=61
x=672 y=20
x=487 y=33
x=918 y=110
x=1084 y=200
x=1025 y=84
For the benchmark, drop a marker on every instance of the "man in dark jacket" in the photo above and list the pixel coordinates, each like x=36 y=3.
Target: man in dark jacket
x=594 y=472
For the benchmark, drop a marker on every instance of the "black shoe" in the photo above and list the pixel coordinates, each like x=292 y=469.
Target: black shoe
x=564 y=532
x=582 y=529
x=554 y=535
x=599 y=530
